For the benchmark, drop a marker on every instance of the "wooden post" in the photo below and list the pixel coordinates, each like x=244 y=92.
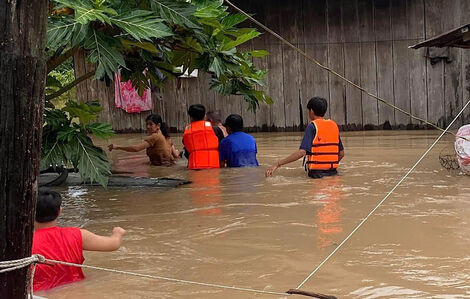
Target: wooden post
x=22 y=39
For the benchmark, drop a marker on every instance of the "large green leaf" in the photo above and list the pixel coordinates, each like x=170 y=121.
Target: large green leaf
x=178 y=12
x=104 y=52
x=101 y=130
x=209 y=8
x=232 y=20
x=85 y=112
x=142 y=25
x=240 y=40
x=87 y=11
x=52 y=156
x=93 y=163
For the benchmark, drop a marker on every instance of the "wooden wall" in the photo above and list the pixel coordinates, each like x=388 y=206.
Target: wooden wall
x=365 y=40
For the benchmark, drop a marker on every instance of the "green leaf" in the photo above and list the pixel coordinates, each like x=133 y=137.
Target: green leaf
x=258 y=53
x=53 y=156
x=147 y=46
x=92 y=164
x=217 y=66
x=104 y=52
x=80 y=32
x=142 y=25
x=240 y=40
x=85 y=112
x=209 y=8
x=232 y=20
x=101 y=130
x=56 y=118
x=59 y=32
x=193 y=43
x=87 y=11
x=178 y=12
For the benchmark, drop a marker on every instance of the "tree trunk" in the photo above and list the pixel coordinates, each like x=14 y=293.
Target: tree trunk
x=23 y=69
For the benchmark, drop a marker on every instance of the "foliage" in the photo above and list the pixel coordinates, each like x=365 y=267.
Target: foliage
x=66 y=142
x=149 y=37
x=57 y=79
x=145 y=38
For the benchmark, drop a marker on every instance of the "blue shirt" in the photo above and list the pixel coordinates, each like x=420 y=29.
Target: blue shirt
x=239 y=150
x=309 y=134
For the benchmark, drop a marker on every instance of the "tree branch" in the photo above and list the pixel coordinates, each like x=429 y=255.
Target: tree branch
x=69 y=86
x=55 y=61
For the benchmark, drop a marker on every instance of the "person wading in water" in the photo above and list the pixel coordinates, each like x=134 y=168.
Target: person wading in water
x=158 y=145
x=321 y=144
x=63 y=243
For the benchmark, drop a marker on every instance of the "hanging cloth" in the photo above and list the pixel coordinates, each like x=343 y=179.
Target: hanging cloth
x=127 y=97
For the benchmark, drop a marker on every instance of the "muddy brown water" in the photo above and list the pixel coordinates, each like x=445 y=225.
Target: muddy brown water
x=235 y=227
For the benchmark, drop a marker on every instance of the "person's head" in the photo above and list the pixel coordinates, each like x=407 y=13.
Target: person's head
x=196 y=112
x=317 y=107
x=155 y=123
x=47 y=206
x=214 y=117
x=234 y=123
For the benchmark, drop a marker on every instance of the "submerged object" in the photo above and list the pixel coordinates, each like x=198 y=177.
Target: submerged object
x=66 y=178
x=462 y=148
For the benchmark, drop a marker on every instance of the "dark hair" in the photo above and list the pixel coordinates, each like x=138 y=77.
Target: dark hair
x=157 y=119
x=213 y=116
x=318 y=105
x=197 y=112
x=47 y=205
x=234 y=122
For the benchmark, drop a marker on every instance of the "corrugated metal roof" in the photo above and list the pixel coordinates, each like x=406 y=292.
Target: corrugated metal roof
x=458 y=37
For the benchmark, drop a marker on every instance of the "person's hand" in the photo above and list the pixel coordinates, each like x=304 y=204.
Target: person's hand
x=119 y=231
x=271 y=170
x=110 y=147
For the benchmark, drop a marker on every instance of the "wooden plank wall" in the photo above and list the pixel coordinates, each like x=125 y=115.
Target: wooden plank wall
x=365 y=40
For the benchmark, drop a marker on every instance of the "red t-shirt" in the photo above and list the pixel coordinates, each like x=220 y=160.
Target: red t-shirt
x=62 y=244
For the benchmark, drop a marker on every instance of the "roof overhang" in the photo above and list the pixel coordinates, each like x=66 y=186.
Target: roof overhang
x=458 y=37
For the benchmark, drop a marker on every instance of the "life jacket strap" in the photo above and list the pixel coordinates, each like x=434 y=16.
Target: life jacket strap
x=325 y=144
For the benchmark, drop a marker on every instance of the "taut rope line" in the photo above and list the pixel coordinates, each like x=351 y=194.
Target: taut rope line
x=334 y=72
x=6 y=266
x=382 y=201
x=165 y=278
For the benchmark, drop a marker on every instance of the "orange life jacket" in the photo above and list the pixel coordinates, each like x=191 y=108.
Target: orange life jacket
x=325 y=146
x=202 y=144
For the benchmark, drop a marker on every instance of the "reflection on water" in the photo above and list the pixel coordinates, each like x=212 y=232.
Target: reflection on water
x=235 y=227
x=329 y=216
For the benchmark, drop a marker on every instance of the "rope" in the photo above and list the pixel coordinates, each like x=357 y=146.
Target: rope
x=7 y=266
x=335 y=73
x=383 y=200
x=166 y=278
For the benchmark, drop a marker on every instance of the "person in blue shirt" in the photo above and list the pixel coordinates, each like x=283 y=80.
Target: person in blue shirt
x=238 y=149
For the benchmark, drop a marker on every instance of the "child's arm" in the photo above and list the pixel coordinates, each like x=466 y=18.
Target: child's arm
x=93 y=242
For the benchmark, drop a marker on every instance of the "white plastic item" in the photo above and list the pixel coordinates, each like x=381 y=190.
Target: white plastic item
x=462 y=148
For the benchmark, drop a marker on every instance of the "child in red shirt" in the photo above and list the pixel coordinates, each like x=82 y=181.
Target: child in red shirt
x=63 y=243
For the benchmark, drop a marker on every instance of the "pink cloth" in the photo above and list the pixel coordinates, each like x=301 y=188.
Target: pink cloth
x=127 y=97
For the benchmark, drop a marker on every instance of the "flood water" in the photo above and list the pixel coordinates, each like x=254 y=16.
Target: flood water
x=234 y=227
